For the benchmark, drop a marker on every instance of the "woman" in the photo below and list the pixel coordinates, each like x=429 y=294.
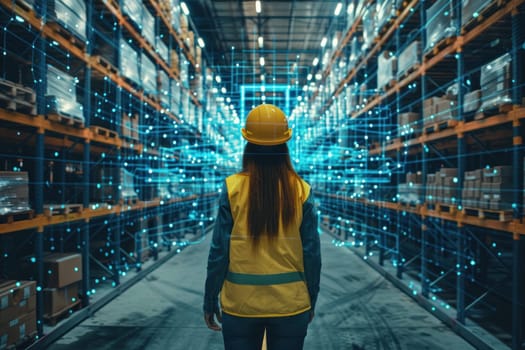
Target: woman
x=265 y=254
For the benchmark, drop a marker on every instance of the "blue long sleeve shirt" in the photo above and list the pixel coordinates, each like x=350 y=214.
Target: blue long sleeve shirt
x=218 y=259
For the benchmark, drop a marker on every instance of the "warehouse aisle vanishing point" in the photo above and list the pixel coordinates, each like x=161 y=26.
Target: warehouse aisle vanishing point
x=357 y=310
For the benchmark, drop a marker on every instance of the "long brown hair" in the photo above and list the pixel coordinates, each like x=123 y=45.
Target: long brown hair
x=273 y=189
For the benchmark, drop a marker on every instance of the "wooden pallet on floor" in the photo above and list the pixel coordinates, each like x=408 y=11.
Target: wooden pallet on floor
x=106 y=133
x=53 y=319
x=62 y=209
x=499 y=215
x=9 y=218
x=66 y=119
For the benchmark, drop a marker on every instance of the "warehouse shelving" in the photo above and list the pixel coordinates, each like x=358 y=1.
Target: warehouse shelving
x=112 y=233
x=430 y=243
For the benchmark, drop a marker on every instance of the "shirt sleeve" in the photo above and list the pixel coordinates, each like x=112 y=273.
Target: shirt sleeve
x=218 y=259
x=311 y=249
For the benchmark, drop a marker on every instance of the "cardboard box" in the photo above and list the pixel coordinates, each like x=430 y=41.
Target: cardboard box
x=17 y=330
x=430 y=108
x=62 y=269
x=58 y=299
x=445 y=110
x=13 y=292
x=472 y=101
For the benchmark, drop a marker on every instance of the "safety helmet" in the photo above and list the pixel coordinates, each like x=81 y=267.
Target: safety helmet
x=266 y=125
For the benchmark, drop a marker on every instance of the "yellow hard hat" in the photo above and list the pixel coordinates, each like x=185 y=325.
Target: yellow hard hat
x=266 y=125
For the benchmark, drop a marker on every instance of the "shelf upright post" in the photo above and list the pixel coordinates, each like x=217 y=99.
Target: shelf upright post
x=461 y=151
x=86 y=166
x=40 y=69
x=424 y=166
x=518 y=253
x=399 y=258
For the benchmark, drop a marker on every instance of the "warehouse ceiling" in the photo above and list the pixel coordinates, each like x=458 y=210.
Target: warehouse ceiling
x=292 y=32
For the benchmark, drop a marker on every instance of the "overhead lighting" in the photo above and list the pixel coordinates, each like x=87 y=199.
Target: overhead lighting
x=338 y=8
x=323 y=42
x=262 y=77
x=184 y=8
x=261 y=61
x=315 y=62
x=309 y=77
x=258 y=6
x=201 y=42
x=218 y=79
x=318 y=76
x=334 y=42
x=260 y=40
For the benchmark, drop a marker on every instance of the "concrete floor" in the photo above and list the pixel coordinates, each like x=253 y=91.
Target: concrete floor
x=357 y=309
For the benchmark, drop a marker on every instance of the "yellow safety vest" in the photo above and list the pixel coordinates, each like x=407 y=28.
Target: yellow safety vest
x=268 y=282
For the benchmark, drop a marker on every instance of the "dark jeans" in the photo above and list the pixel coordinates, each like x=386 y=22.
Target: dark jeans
x=282 y=333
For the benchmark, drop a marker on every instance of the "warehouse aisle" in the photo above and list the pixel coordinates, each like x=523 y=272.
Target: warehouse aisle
x=357 y=309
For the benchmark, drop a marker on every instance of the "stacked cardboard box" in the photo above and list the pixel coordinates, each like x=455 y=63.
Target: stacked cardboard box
x=496 y=82
x=438 y=109
x=431 y=189
x=174 y=60
x=386 y=69
x=130 y=126
x=470 y=195
x=408 y=58
x=440 y=22
x=17 y=312
x=497 y=188
x=411 y=191
x=442 y=186
x=472 y=101
x=63 y=272
x=14 y=192
x=408 y=124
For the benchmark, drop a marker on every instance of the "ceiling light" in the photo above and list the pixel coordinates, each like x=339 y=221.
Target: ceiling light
x=334 y=42
x=261 y=61
x=323 y=42
x=309 y=77
x=258 y=6
x=338 y=8
x=184 y=8
x=223 y=90
x=201 y=42
x=318 y=76
x=260 y=40
x=218 y=79
x=315 y=62
x=262 y=77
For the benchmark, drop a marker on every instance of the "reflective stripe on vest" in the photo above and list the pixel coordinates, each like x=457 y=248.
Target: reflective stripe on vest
x=267 y=281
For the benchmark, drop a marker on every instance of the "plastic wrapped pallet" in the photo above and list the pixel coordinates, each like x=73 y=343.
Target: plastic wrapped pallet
x=470 y=9
x=184 y=73
x=162 y=50
x=133 y=10
x=148 y=75
x=164 y=87
x=472 y=101
x=440 y=22
x=148 y=25
x=175 y=97
x=496 y=82
x=127 y=185
x=408 y=124
x=14 y=192
x=386 y=69
x=175 y=14
x=385 y=10
x=369 y=28
x=70 y=14
x=129 y=62
x=61 y=94
x=409 y=57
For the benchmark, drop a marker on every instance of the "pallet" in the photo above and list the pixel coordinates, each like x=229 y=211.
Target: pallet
x=483 y=14
x=66 y=119
x=53 y=319
x=440 y=45
x=17 y=91
x=58 y=29
x=502 y=109
x=408 y=71
x=499 y=215
x=62 y=209
x=442 y=208
x=104 y=63
x=129 y=201
x=106 y=133
x=15 y=104
x=17 y=216
x=435 y=127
